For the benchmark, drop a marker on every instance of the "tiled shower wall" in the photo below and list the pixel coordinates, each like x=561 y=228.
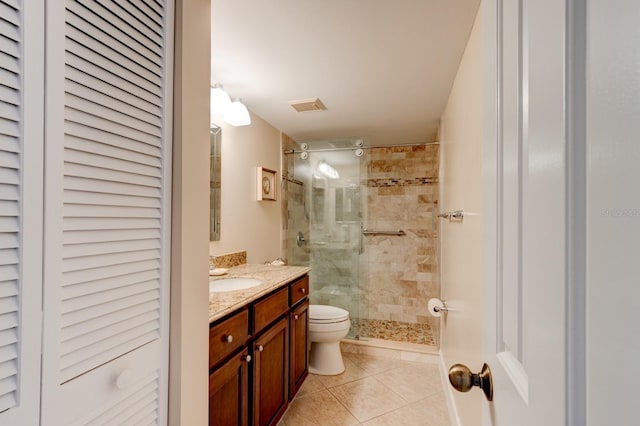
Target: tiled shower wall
x=401 y=190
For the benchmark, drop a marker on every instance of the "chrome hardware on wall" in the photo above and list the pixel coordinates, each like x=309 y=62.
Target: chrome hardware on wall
x=398 y=233
x=300 y=240
x=437 y=307
x=457 y=214
x=462 y=379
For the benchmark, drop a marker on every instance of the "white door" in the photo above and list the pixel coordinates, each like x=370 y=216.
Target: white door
x=107 y=212
x=21 y=147
x=526 y=244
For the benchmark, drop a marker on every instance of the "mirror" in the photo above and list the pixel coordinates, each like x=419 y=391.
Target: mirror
x=215 y=182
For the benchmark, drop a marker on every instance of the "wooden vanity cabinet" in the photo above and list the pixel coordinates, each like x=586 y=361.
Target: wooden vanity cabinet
x=271 y=374
x=299 y=347
x=229 y=392
x=258 y=370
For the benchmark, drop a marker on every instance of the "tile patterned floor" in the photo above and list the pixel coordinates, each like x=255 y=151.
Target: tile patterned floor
x=395 y=330
x=372 y=391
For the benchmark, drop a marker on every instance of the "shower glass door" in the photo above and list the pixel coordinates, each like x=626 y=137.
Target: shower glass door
x=324 y=225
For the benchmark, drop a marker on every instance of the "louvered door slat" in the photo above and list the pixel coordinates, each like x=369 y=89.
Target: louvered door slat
x=78 y=264
x=82 y=197
x=136 y=110
x=8 y=64
x=135 y=61
x=9 y=46
x=82 y=46
x=80 y=250
x=157 y=8
x=84 y=71
x=9 y=96
x=104 y=332
x=98 y=155
x=113 y=36
x=106 y=187
x=139 y=413
x=9 y=13
x=119 y=344
x=145 y=386
x=84 y=276
x=83 y=118
x=9 y=78
x=100 y=235
x=97 y=286
x=110 y=147
x=79 y=350
x=80 y=78
x=9 y=30
x=133 y=22
x=132 y=9
x=114 y=112
x=79 y=304
x=9 y=225
x=82 y=170
x=8 y=289
x=89 y=326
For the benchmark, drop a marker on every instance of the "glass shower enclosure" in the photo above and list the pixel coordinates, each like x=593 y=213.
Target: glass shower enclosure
x=324 y=216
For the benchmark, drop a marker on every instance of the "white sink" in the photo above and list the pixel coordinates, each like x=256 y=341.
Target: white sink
x=232 y=284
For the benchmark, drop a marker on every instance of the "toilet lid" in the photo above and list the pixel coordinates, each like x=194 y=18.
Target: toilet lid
x=325 y=313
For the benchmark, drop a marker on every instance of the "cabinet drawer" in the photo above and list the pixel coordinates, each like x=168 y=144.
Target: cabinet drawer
x=299 y=290
x=227 y=336
x=268 y=310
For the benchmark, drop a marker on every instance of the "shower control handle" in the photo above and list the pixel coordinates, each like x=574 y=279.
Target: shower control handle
x=301 y=240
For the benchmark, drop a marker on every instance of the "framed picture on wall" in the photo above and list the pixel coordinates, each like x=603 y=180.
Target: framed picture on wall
x=267 y=184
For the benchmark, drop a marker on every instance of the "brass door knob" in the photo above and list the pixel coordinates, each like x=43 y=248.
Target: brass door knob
x=462 y=379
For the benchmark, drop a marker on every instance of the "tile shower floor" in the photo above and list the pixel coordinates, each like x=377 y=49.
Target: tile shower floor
x=371 y=391
x=396 y=331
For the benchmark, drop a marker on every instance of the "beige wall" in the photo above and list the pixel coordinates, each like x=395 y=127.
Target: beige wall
x=248 y=224
x=189 y=349
x=461 y=243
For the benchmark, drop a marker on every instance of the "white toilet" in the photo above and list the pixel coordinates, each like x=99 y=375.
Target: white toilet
x=327 y=325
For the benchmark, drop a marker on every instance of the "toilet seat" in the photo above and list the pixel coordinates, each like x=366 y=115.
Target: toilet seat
x=324 y=314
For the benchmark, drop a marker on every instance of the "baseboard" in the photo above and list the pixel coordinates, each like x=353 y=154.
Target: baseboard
x=448 y=393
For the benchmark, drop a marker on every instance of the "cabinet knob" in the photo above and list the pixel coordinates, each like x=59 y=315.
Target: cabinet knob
x=228 y=338
x=261 y=348
x=125 y=379
x=247 y=358
x=303 y=290
x=295 y=317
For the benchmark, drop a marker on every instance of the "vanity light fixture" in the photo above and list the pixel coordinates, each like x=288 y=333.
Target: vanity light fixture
x=220 y=100
x=328 y=170
x=237 y=114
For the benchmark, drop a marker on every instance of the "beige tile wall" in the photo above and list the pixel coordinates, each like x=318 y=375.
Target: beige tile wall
x=402 y=271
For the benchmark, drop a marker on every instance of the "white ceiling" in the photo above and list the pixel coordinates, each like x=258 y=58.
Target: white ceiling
x=383 y=68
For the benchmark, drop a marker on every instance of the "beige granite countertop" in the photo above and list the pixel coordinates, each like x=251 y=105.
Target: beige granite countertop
x=272 y=277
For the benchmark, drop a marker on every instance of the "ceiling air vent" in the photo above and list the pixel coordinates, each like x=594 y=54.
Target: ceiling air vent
x=307 y=105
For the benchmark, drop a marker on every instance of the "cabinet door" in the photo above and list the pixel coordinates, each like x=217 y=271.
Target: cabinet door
x=271 y=374
x=107 y=211
x=299 y=356
x=229 y=392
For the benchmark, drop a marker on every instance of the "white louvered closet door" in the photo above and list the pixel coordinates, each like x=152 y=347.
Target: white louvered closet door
x=21 y=152
x=107 y=211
